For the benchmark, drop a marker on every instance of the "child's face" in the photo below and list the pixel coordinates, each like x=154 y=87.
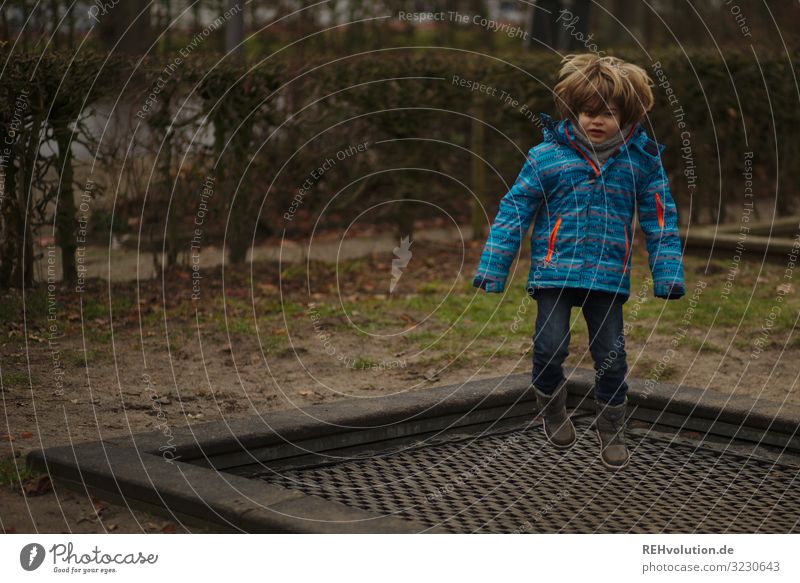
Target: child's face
x=600 y=127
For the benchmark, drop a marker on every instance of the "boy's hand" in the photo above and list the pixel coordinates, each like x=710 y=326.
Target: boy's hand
x=674 y=291
x=488 y=284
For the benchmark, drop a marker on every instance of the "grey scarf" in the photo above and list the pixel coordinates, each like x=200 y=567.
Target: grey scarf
x=600 y=152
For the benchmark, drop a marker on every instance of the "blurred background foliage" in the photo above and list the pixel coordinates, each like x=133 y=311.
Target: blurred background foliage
x=132 y=107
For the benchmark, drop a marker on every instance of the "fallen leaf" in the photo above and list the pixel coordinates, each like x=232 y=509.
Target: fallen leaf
x=37 y=486
x=99 y=506
x=25 y=434
x=168 y=528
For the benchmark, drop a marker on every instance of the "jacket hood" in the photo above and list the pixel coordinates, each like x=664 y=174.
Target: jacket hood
x=555 y=130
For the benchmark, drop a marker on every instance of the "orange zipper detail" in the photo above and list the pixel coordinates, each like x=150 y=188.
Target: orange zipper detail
x=580 y=151
x=588 y=159
x=627 y=250
x=660 y=211
x=552 y=241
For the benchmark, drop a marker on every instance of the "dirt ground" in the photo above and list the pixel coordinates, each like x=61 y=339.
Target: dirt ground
x=119 y=383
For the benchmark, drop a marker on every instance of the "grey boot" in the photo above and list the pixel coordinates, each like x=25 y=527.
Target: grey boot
x=557 y=425
x=610 y=425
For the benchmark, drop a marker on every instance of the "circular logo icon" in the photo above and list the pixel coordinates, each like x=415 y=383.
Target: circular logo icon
x=31 y=556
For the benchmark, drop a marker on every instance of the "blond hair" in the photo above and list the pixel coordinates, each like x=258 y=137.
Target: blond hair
x=590 y=83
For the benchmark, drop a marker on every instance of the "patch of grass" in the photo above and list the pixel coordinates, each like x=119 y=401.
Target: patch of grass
x=236 y=325
x=94 y=308
x=505 y=352
x=78 y=359
x=697 y=344
x=455 y=360
x=433 y=287
x=293 y=271
x=351 y=266
x=235 y=315
x=742 y=342
x=153 y=317
x=273 y=343
x=364 y=363
x=99 y=335
x=467 y=314
x=668 y=371
x=421 y=338
x=648 y=368
x=35 y=306
x=638 y=332
x=10 y=310
x=15 y=471
x=325 y=309
x=17 y=379
x=288 y=308
x=184 y=310
x=376 y=320
x=176 y=342
x=122 y=302
x=492 y=320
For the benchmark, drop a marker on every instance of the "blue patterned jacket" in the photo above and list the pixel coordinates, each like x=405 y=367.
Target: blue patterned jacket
x=582 y=231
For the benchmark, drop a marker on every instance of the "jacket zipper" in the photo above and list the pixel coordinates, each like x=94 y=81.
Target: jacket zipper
x=588 y=159
x=552 y=241
x=627 y=251
x=660 y=211
x=580 y=151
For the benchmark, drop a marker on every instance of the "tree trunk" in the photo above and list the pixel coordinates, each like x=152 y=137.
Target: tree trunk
x=234 y=30
x=544 y=27
x=114 y=29
x=10 y=227
x=65 y=209
x=22 y=272
x=479 y=198
x=242 y=222
x=167 y=190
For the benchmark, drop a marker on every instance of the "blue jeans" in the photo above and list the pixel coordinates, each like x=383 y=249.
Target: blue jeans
x=603 y=314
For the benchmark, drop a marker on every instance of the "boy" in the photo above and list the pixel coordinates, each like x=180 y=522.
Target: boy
x=584 y=180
